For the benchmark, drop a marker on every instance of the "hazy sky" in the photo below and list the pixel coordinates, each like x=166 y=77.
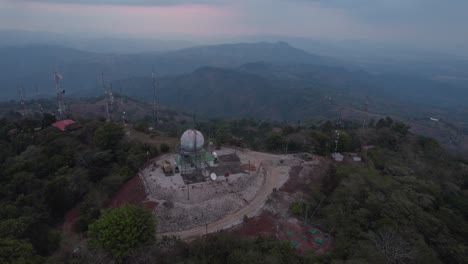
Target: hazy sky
x=431 y=23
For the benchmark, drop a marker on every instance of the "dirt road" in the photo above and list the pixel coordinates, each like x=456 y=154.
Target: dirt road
x=275 y=178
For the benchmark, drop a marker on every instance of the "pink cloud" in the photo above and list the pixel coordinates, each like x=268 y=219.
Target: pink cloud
x=136 y=20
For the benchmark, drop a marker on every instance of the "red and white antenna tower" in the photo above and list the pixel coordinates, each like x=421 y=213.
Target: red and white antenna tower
x=60 y=94
x=155 y=105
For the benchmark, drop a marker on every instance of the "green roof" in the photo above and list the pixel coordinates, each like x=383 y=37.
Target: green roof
x=294 y=243
x=318 y=240
x=205 y=156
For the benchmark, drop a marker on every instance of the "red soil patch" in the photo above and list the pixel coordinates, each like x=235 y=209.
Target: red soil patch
x=70 y=218
x=268 y=224
x=150 y=204
x=132 y=192
x=249 y=167
x=263 y=224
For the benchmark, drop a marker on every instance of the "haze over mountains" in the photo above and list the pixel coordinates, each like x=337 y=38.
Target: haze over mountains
x=261 y=79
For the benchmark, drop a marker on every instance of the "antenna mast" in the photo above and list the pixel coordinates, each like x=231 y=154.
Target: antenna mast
x=109 y=98
x=337 y=140
x=60 y=93
x=39 y=105
x=124 y=119
x=21 y=97
x=155 y=106
x=366 y=110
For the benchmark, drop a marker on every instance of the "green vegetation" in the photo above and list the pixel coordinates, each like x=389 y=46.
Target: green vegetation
x=164 y=148
x=45 y=173
x=409 y=192
x=298 y=208
x=406 y=203
x=229 y=249
x=121 y=230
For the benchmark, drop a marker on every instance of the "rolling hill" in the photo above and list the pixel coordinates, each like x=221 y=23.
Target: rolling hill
x=32 y=65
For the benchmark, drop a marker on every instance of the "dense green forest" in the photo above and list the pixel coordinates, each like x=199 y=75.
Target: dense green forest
x=406 y=203
x=45 y=172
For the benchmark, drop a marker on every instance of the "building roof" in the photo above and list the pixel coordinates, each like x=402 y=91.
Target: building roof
x=63 y=124
x=204 y=156
x=337 y=156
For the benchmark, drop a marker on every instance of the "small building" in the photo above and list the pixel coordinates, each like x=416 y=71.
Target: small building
x=355 y=157
x=192 y=158
x=66 y=124
x=337 y=156
x=367 y=147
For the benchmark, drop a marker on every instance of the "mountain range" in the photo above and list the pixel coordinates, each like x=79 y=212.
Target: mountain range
x=265 y=80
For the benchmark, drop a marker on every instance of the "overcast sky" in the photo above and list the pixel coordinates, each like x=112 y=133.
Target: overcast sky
x=429 y=23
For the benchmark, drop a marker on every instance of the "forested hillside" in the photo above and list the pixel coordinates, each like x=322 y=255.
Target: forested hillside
x=406 y=203
x=45 y=172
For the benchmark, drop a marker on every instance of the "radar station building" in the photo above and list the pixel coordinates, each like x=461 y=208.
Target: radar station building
x=192 y=159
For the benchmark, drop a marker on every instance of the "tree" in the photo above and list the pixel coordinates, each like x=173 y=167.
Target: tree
x=47 y=120
x=121 y=230
x=323 y=142
x=59 y=195
x=345 y=142
x=275 y=142
x=108 y=136
x=391 y=245
x=17 y=252
x=384 y=122
x=164 y=148
x=401 y=128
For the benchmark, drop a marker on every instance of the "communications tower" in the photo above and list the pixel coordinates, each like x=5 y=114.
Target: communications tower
x=109 y=98
x=21 y=98
x=155 y=105
x=60 y=95
x=366 y=112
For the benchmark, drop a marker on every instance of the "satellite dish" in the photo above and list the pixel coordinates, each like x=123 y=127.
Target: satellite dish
x=215 y=154
x=213 y=176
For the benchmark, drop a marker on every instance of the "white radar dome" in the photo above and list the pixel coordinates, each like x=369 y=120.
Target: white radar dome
x=192 y=140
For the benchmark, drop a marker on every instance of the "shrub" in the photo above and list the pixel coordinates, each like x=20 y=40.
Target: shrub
x=121 y=230
x=164 y=148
